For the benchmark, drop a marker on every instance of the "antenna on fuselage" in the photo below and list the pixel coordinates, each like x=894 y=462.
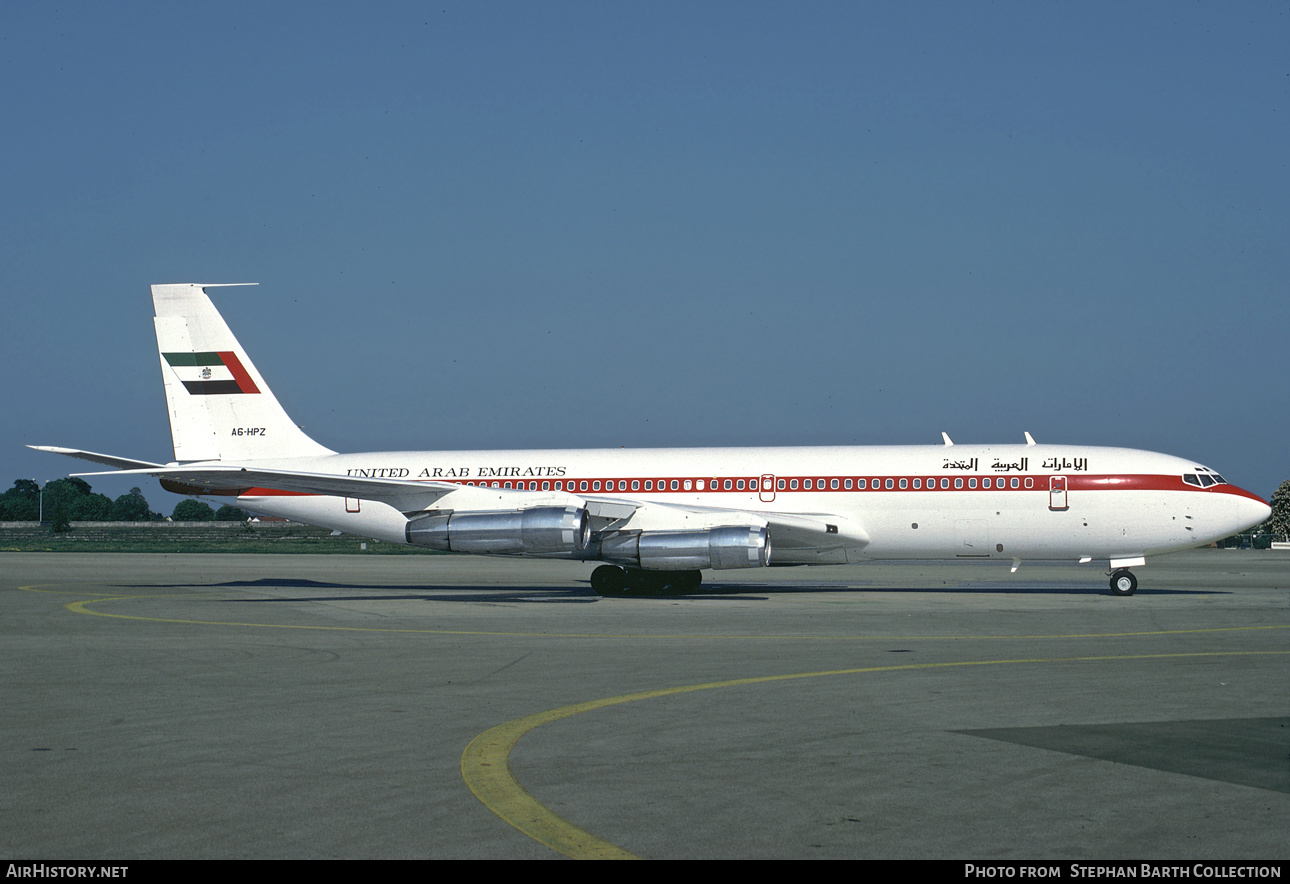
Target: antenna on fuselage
x=946 y=437
x=1030 y=440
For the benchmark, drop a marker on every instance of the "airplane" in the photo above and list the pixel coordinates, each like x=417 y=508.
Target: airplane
x=656 y=518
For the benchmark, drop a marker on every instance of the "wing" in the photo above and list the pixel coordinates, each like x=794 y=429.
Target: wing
x=210 y=478
x=405 y=495
x=799 y=538
x=409 y=496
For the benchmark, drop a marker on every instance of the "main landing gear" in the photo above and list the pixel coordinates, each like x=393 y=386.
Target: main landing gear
x=613 y=580
x=1123 y=582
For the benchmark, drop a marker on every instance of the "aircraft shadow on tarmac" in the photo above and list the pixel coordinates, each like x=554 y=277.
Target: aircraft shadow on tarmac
x=1243 y=751
x=581 y=592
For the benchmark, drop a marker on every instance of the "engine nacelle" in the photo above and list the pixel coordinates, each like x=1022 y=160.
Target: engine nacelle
x=719 y=548
x=535 y=531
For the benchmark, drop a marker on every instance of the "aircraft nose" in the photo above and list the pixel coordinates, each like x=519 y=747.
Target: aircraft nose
x=1251 y=510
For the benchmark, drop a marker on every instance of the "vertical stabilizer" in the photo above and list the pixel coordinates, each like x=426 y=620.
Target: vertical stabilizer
x=220 y=407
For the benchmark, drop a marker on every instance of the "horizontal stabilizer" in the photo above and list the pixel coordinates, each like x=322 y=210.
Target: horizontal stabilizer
x=108 y=460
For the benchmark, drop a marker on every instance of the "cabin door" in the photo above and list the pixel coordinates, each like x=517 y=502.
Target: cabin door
x=1057 y=493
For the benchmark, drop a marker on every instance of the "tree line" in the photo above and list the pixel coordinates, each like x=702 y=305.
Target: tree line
x=63 y=501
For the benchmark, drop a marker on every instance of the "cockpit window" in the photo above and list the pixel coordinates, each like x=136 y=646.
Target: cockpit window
x=1203 y=478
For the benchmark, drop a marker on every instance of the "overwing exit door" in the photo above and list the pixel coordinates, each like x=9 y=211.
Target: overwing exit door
x=767 y=490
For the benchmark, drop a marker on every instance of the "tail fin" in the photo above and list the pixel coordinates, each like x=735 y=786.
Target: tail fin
x=220 y=407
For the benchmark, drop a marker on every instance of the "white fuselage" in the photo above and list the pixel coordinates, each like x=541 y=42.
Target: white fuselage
x=1045 y=502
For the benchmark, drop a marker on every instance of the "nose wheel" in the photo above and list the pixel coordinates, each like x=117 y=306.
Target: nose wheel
x=1123 y=582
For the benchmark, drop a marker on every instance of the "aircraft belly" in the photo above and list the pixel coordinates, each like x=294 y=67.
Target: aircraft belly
x=372 y=519
x=1001 y=529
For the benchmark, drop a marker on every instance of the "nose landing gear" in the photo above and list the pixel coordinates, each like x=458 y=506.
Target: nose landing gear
x=1123 y=582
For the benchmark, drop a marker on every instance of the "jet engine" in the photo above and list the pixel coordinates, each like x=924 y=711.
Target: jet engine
x=535 y=531
x=719 y=548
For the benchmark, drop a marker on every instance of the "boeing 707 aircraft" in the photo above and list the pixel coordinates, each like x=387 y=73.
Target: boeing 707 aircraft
x=657 y=518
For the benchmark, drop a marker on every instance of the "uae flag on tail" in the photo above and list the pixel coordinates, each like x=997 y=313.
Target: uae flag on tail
x=206 y=374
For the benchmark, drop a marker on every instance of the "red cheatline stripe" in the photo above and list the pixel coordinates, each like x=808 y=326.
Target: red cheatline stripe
x=874 y=484
x=233 y=364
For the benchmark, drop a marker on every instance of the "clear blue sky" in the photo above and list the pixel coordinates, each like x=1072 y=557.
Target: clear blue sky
x=501 y=225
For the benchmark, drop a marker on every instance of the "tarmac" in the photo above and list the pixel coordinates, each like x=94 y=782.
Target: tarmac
x=336 y=706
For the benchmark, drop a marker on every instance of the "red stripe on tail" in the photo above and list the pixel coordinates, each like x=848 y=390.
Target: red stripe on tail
x=233 y=364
